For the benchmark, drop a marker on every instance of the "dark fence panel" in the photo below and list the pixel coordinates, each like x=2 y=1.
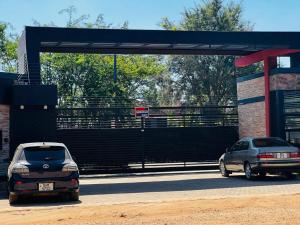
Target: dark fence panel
x=31 y=124
x=98 y=149
x=160 y=117
x=106 y=138
x=187 y=144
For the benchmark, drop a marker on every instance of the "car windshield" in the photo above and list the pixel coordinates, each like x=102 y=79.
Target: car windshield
x=47 y=153
x=269 y=142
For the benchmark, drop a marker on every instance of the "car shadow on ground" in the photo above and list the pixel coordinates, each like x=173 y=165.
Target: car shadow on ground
x=236 y=181
x=40 y=201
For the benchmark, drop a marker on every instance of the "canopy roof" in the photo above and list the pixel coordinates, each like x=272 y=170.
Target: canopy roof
x=119 y=41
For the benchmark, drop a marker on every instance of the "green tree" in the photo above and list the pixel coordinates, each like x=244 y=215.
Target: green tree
x=203 y=80
x=89 y=75
x=8 y=49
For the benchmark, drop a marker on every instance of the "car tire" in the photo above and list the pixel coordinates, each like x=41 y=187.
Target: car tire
x=262 y=174
x=248 y=171
x=12 y=198
x=224 y=172
x=74 y=196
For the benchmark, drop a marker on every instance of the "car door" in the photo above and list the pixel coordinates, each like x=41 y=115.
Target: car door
x=240 y=155
x=230 y=156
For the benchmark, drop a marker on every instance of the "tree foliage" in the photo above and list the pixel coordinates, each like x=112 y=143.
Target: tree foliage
x=90 y=75
x=207 y=79
x=8 y=49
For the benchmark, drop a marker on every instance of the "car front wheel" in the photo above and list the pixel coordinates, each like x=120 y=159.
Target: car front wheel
x=223 y=170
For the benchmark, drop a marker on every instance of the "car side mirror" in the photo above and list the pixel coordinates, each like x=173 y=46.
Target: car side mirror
x=227 y=150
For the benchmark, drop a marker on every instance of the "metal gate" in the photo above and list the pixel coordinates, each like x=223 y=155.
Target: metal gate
x=111 y=138
x=291 y=114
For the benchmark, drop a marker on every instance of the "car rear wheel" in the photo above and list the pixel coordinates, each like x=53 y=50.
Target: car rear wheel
x=12 y=198
x=223 y=170
x=74 y=196
x=248 y=171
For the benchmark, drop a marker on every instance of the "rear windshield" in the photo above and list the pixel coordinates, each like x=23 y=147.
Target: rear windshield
x=269 y=142
x=45 y=153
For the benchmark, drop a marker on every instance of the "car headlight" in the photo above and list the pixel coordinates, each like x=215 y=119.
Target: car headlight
x=20 y=169
x=70 y=168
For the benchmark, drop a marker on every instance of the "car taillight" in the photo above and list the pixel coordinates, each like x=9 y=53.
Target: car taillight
x=295 y=155
x=20 y=169
x=19 y=182
x=74 y=182
x=70 y=168
x=265 y=156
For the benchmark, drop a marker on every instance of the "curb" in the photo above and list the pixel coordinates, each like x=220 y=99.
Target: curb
x=117 y=175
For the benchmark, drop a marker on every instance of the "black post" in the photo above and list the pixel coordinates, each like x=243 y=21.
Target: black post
x=143 y=142
x=277 y=114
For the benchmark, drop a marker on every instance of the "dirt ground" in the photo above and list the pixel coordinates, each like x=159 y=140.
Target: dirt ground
x=283 y=209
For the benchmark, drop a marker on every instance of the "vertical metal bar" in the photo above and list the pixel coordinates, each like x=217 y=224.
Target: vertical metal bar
x=115 y=68
x=143 y=142
x=115 y=88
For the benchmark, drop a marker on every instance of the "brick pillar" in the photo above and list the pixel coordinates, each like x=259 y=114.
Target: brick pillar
x=251 y=105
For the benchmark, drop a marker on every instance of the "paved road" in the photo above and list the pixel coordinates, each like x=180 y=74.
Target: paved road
x=107 y=190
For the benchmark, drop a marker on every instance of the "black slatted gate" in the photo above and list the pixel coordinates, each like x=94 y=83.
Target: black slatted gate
x=112 y=138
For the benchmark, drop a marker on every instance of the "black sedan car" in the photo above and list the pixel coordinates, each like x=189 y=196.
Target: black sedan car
x=42 y=168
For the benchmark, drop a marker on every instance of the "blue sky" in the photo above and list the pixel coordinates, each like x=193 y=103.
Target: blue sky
x=276 y=15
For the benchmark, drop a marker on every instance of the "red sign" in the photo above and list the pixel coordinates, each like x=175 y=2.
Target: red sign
x=141 y=112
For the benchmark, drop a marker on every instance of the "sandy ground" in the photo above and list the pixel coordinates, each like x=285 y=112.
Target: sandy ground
x=188 y=198
x=242 y=210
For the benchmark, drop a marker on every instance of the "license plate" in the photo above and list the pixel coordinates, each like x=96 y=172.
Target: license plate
x=282 y=155
x=46 y=186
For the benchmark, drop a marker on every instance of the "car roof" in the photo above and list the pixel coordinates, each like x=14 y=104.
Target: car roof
x=252 y=138
x=38 y=144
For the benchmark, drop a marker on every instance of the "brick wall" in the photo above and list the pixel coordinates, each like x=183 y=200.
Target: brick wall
x=251 y=114
x=286 y=81
x=251 y=88
x=252 y=120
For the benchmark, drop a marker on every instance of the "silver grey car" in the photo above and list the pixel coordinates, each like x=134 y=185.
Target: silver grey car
x=259 y=156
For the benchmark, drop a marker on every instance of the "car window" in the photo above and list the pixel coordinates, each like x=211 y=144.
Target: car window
x=244 y=145
x=45 y=153
x=269 y=142
x=235 y=147
x=16 y=155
